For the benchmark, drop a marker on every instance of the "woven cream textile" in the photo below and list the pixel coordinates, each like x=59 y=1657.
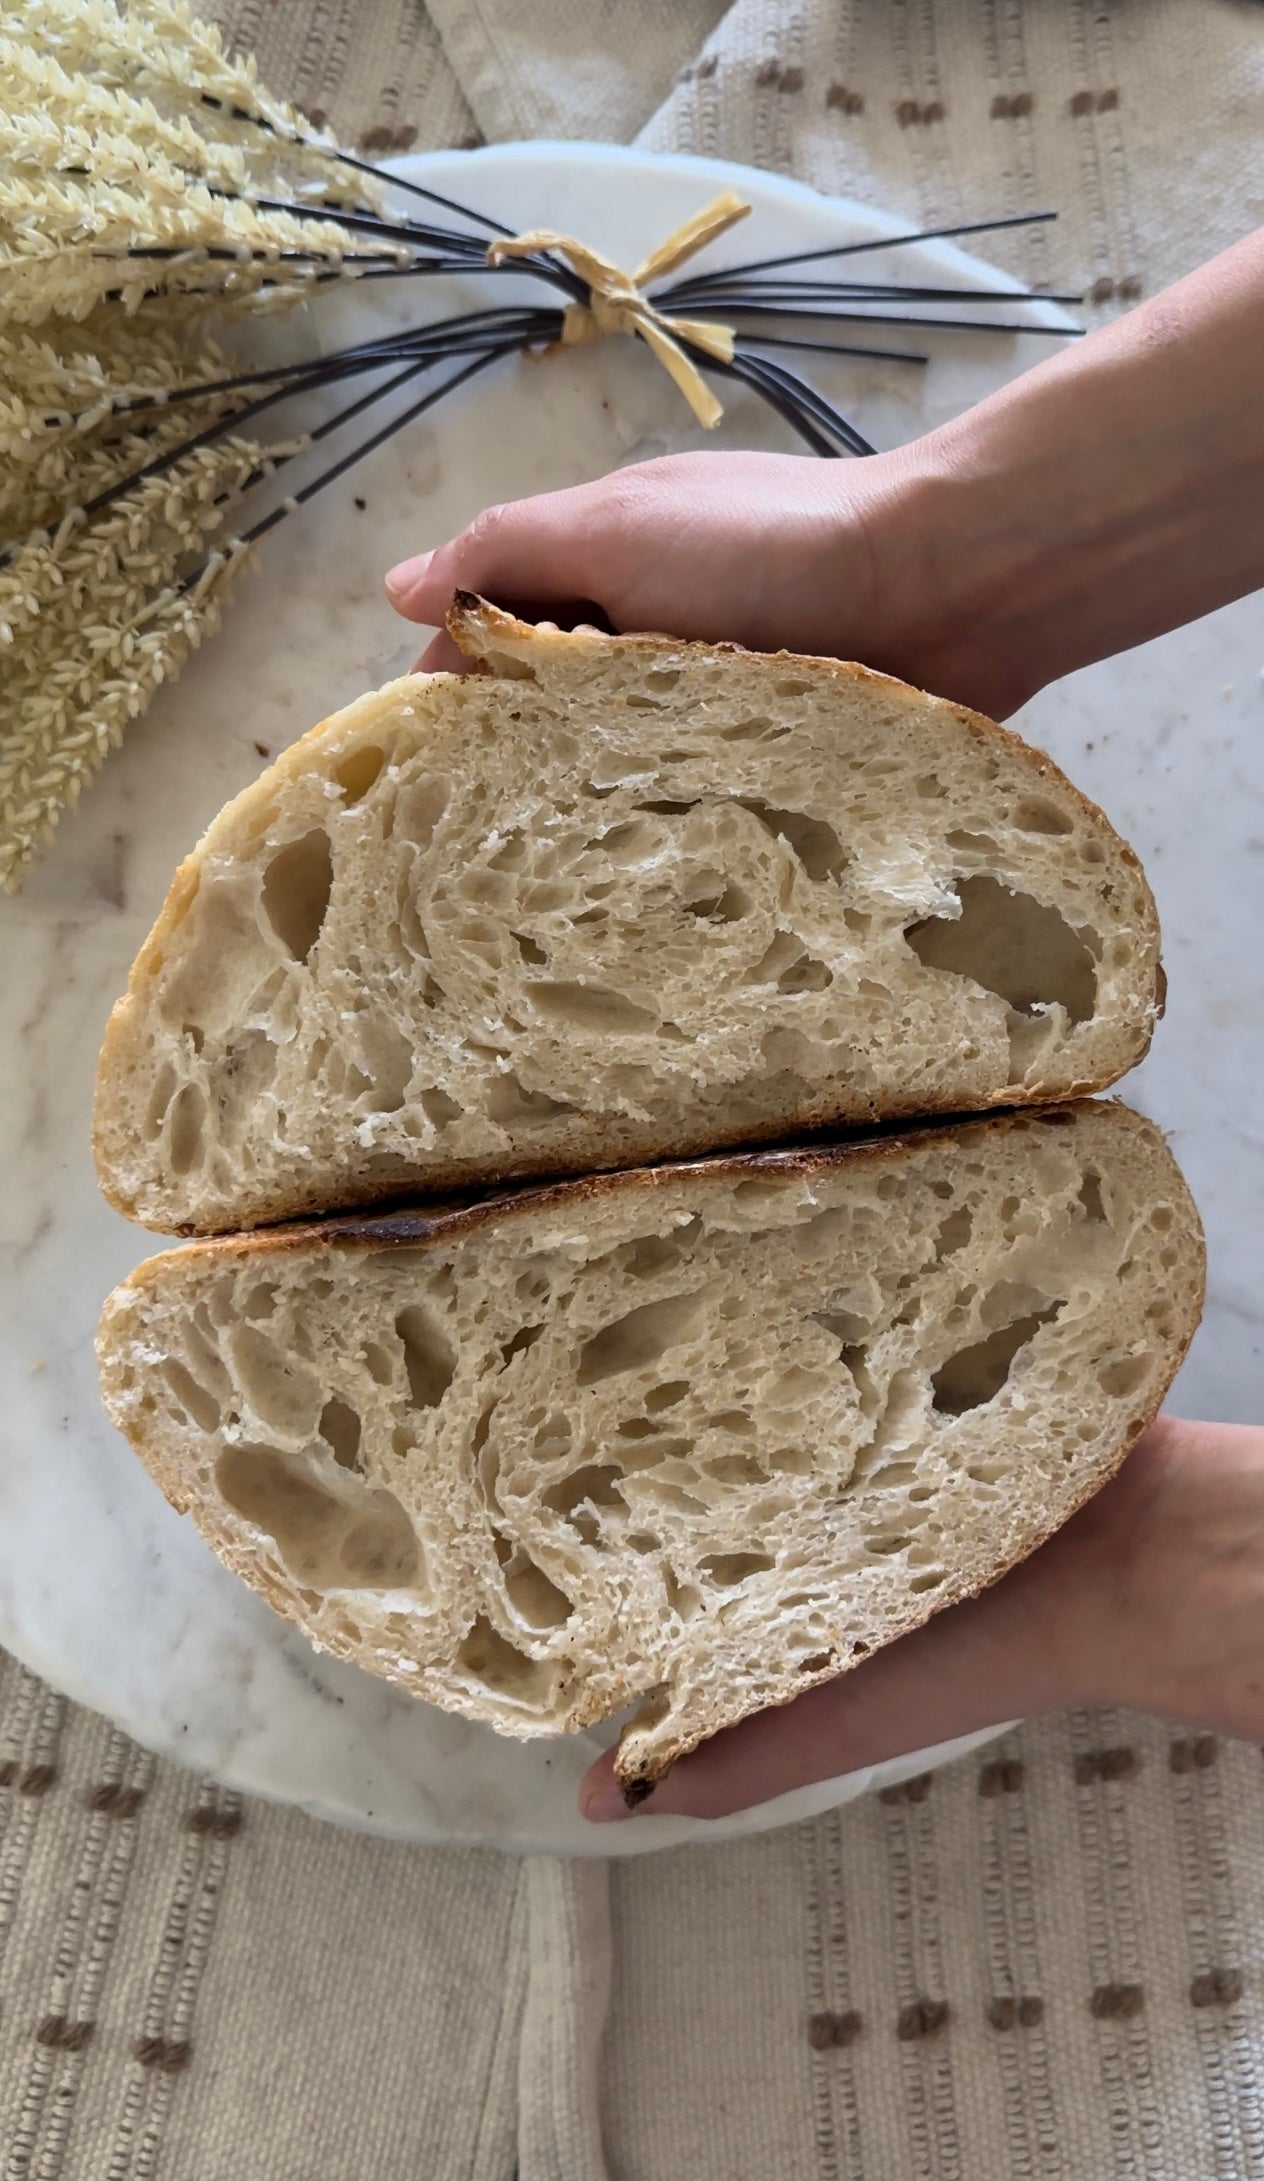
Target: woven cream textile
x=1043 y=1963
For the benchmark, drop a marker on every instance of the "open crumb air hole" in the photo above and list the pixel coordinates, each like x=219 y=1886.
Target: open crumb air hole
x=975 y=1375
x=1012 y=945
x=296 y=888
x=359 y=1539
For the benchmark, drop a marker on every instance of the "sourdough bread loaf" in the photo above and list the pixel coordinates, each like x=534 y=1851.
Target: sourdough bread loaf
x=612 y=900
x=691 y=1438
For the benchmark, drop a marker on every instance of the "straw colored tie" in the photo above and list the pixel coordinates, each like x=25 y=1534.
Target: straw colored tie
x=617 y=302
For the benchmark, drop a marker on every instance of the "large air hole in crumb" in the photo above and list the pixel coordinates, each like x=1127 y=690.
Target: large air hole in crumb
x=641 y=1336
x=1036 y=814
x=419 y=808
x=1126 y=1376
x=388 y=1055
x=282 y=1392
x=972 y=844
x=780 y=955
x=536 y=1600
x=439 y=1109
x=892 y=1476
x=634 y=841
x=791 y=1461
x=160 y=1096
x=198 y=1403
x=428 y=1357
x=815 y=843
x=807 y=974
x=720 y=903
x=359 y=1539
x=595 y=1007
x=596 y=1485
x=758 y=728
x=296 y=888
x=378 y=1363
x=356 y=772
x=510 y=1103
x=340 y=1430
x=736 y=1469
x=525 y=1337
x=651 y=1253
x=682 y=1598
x=488 y=1657
x=728 y=1569
x=757 y=1195
x=1012 y=945
x=954 y=1232
x=1091 y=1196
x=975 y=1375
x=186 y=1124
x=552 y=1434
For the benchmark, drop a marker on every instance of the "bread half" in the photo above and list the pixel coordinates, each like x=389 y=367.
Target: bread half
x=694 y=1438
x=613 y=900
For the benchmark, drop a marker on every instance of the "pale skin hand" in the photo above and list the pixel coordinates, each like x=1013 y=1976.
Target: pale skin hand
x=1152 y=1597
x=1113 y=492
x=1110 y=494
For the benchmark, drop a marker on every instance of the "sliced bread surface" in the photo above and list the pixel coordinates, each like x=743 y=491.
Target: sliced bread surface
x=693 y=1437
x=609 y=901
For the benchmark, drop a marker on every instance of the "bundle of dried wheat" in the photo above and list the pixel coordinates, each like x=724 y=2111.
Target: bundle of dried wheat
x=139 y=173
x=154 y=199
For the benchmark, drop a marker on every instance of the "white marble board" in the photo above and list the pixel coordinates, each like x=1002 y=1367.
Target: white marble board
x=102 y=1588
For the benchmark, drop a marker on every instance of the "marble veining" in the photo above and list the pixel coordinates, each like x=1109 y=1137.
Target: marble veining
x=102 y=1587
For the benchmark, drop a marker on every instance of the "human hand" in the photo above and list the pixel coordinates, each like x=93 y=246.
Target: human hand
x=1111 y=493
x=1152 y=1597
x=777 y=552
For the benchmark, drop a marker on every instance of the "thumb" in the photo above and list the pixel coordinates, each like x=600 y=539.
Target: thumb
x=527 y=550
x=974 y=1666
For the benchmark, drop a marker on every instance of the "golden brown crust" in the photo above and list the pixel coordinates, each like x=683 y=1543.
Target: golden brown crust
x=419 y=1225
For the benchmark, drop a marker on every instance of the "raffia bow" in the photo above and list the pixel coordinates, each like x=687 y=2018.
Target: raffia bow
x=617 y=302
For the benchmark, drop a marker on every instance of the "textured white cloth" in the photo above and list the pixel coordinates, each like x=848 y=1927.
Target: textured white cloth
x=1042 y=1963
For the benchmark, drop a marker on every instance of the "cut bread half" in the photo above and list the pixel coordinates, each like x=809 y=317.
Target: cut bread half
x=612 y=900
x=693 y=1438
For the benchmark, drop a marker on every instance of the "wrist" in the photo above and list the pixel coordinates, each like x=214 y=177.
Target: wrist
x=1171 y=1563
x=952 y=557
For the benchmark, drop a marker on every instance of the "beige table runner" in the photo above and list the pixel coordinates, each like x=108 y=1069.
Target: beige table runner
x=1045 y=1962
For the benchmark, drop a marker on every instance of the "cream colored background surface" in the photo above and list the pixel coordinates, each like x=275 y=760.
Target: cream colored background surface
x=1045 y=1962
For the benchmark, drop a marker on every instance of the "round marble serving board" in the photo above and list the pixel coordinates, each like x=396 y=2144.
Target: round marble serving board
x=103 y=1588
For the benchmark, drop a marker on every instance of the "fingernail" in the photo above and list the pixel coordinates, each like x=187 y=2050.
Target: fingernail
x=405 y=576
x=604 y=1802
